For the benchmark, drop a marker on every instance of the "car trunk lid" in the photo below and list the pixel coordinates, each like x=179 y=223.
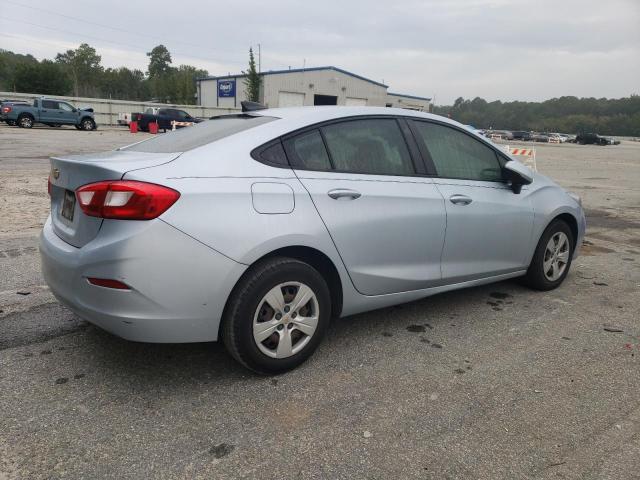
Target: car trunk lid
x=68 y=173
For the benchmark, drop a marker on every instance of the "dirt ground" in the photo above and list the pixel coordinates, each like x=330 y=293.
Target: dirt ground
x=489 y=382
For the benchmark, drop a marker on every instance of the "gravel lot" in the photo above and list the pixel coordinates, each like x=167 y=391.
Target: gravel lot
x=490 y=382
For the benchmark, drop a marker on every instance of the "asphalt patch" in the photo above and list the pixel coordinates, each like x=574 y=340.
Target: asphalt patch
x=416 y=328
x=221 y=450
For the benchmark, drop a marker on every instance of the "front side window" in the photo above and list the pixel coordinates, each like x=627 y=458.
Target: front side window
x=457 y=155
x=308 y=151
x=66 y=107
x=371 y=146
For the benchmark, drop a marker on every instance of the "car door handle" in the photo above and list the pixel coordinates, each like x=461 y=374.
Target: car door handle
x=460 y=199
x=339 y=193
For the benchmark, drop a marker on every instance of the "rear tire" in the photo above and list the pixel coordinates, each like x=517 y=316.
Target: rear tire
x=25 y=121
x=552 y=258
x=292 y=327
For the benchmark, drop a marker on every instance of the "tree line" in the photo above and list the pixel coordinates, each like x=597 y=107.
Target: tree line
x=564 y=115
x=79 y=73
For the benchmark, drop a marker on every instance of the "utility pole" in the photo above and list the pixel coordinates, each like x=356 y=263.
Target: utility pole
x=259 y=58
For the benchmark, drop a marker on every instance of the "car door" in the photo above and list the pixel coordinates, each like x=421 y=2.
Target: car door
x=385 y=218
x=488 y=226
x=67 y=114
x=163 y=118
x=49 y=111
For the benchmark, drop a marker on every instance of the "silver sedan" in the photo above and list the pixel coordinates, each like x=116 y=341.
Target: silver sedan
x=259 y=228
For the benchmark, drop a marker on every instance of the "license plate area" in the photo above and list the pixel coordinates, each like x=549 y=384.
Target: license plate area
x=68 y=205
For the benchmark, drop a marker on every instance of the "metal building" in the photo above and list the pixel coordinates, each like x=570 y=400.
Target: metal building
x=308 y=86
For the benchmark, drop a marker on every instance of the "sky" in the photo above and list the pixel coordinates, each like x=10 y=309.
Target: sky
x=495 y=49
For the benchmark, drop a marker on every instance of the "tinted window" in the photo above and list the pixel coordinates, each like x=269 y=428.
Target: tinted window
x=50 y=104
x=457 y=155
x=373 y=146
x=274 y=154
x=309 y=152
x=200 y=134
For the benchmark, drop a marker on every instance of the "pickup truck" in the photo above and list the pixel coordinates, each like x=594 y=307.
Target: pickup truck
x=163 y=116
x=591 y=139
x=51 y=112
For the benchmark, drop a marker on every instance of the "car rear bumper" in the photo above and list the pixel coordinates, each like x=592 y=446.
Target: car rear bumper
x=178 y=286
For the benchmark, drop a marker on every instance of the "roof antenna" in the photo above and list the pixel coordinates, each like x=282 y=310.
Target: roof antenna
x=248 y=106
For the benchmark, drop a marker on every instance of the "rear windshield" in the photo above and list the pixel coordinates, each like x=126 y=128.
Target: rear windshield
x=200 y=134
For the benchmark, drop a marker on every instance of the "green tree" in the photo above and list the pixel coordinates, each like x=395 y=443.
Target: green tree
x=124 y=84
x=46 y=78
x=160 y=73
x=159 y=61
x=252 y=81
x=9 y=62
x=565 y=114
x=182 y=84
x=83 y=67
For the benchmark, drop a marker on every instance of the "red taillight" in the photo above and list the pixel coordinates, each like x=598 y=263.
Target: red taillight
x=49 y=185
x=6 y=109
x=108 y=283
x=125 y=199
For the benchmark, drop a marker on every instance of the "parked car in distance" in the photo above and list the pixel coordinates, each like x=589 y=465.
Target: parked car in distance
x=500 y=134
x=539 y=137
x=164 y=117
x=257 y=228
x=521 y=135
x=5 y=108
x=52 y=112
x=591 y=139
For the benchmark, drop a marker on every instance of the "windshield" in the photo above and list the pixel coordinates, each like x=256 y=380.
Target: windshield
x=201 y=134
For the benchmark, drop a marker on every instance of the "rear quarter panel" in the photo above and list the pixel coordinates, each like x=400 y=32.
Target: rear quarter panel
x=217 y=208
x=17 y=110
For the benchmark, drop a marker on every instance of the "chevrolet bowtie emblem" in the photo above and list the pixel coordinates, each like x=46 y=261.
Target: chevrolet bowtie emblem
x=55 y=173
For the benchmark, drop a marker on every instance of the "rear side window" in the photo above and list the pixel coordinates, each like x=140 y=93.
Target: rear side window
x=273 y=154
x=308 y=151
x=458 y=155
x=50 y=104
x=372 y=146
x=200 y=134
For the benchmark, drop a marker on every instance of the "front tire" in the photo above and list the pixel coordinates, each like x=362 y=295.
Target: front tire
x=552 y=258
x=87 y=124
x=276 y=315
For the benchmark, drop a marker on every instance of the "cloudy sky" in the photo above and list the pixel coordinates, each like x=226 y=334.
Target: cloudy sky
x=495 y=49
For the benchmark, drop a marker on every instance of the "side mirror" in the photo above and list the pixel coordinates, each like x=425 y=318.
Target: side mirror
x=75 y=110
x=517 y=175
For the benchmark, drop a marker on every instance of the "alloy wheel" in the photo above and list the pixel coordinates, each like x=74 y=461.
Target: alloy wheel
x=556 y=256
x=285 y=320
